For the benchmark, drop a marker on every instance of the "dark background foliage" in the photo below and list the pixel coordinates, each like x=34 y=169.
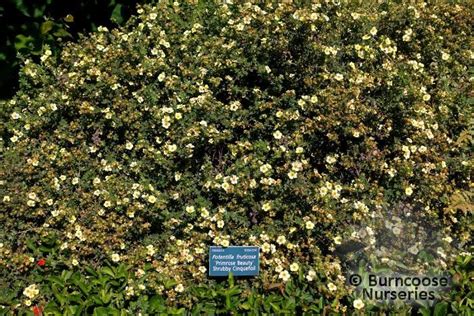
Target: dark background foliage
x=29 y=25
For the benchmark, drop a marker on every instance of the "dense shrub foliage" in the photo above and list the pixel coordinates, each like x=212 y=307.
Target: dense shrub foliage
x=32 y=26
x=294 y=127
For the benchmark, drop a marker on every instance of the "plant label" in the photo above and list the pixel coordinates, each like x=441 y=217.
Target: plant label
x=240 y=260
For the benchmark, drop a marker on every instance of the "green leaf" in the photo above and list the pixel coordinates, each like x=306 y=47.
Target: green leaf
x=170 y=283
x=117 y=14
x=121 y=271
x=228 y=302
x=29 y=243
x=20 y=6
x=74 y=310
x=60 y=297
x=424 y=311
x=39 y=11
x=91 y=271
x=65 y=275
x=275 y=307
x=175 y=311
x=75 y=298
x=233 y=291
x=441 y=309
x=62 y=33
x=105 y=296
x=231 y=279
x=46 y=27
x=105 y=311
x=108 y=271
x=45 y=249
x=84 y=288
x=97 y=300
x=23 y=42
x=157 y=303
x=245 y=306
x=52 y=309
x=56 y=280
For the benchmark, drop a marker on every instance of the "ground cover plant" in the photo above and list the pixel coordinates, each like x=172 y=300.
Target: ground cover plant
x=335 y=136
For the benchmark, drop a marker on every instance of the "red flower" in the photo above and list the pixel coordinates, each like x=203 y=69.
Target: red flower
x=37 y=311
x=41 y=262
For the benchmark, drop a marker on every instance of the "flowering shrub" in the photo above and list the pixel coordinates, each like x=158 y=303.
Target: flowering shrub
x=284 y=125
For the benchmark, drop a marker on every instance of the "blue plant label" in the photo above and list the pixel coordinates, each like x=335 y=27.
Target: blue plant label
x=240 y=260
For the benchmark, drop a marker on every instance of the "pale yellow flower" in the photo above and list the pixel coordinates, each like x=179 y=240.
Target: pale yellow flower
x=161 y=77
x=151 y=199
x=332 y=287
x=172 y=148
x=265 y=168
x=331 y=159
x=267 y=206
x=277 y=135
x=115 y=257
x=150 y=250
x=166 y=121
x=292 y=175
x=358 y=304
x=311 y=275
x=284 y=275
x=31 y=291
x=266 y=247
x=294 y=267
x=179 y=288
x=281 y=240
x=373 y=31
